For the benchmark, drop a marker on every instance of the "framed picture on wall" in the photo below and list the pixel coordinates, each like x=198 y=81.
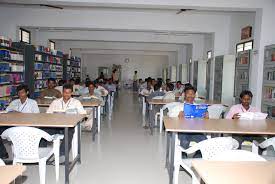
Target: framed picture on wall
x=246 y=32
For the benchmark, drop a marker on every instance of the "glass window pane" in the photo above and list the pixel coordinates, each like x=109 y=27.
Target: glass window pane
x=209 y=55
x=248 y=46
x=25 y=36
x=240 y=47
x=52 y=45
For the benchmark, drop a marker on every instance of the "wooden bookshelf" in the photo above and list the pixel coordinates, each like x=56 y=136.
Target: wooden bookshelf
x=11 y=73
x=268 y=97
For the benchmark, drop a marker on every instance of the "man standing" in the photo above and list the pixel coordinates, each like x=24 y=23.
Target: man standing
x=135 y=78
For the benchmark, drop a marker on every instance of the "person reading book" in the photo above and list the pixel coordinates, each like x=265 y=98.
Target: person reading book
x=185 y=139
x=64 y=105
x=244 y=106
x=22 y=105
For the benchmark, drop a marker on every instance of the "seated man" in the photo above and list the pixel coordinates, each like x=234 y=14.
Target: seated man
x=157 y=92
x=60 y=86
x=185 y=139
x=179 y=88
x=110 y=86
x=99 y=88
x=148 y=88
x=244 y=106
x=51 y=91
x=169 y=92
x=22 y=105
x=93 y=94
x=65 y=104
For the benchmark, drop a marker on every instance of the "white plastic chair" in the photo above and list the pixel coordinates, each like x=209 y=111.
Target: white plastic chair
x=209 y=149
x=238 y=155
x=168 y=106
x=75 y=136
x=2 y=163
x=263 y=145
x=215 y=111
x=169 y=96
x=25 y=141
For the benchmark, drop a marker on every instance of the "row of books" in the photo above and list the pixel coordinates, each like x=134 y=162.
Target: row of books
x=11 y=78
x=47 y=67
x=39 y=75
x=7 y=90
x=11 y=67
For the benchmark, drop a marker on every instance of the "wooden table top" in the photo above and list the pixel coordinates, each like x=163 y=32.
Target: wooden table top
x=164 y=102
x=8 y=173
x=160 y=101
x=216 y=172
x=40 y=119
x=86 y=103
x=257 y=127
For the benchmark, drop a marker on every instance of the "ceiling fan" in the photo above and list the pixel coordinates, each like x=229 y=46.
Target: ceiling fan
x=184 y=10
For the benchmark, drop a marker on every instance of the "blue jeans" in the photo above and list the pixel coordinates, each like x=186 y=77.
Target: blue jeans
x=185 y=139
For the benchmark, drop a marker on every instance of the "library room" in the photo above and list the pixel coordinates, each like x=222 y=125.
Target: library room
x=131 y=92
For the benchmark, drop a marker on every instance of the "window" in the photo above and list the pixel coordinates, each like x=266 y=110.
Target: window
x=248 y=45
x=240 y=47
x=24 y=36
x=244 y=46
x=52 y=44
x=209 y=54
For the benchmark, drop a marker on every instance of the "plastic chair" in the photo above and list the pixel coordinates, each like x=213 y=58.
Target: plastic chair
x=263 y=145
x=75 y=136
x=215 y=111
x=26 y=149
x=238 y=155
x=169 y=96
x=209 y=148
x=168 y=106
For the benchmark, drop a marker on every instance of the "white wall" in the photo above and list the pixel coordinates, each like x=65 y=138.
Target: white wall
x=119 y=20
x=144 y=64
x=236 y=24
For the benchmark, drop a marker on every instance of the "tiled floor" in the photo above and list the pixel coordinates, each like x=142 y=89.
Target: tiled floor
x=123 y=153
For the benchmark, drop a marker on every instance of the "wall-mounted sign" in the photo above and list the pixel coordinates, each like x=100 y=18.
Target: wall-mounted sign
x=246 y=32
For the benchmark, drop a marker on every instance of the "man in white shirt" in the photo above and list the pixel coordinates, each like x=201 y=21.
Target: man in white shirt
x=101 y=89
x=149 y=88
x=110 y=86
x=93 y=94
x=65 y=104
x=22 y=105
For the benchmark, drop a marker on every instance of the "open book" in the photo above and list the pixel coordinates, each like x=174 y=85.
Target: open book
x=195 y=110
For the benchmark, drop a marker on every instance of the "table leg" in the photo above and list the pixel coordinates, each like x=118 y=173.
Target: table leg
x=171 y=165
x=150 y=123
x=94 y=127
x=161 y=120
x=67 y=169
x=143 y=106
x=168 y=144
x=79 y=143
x=98 y=118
